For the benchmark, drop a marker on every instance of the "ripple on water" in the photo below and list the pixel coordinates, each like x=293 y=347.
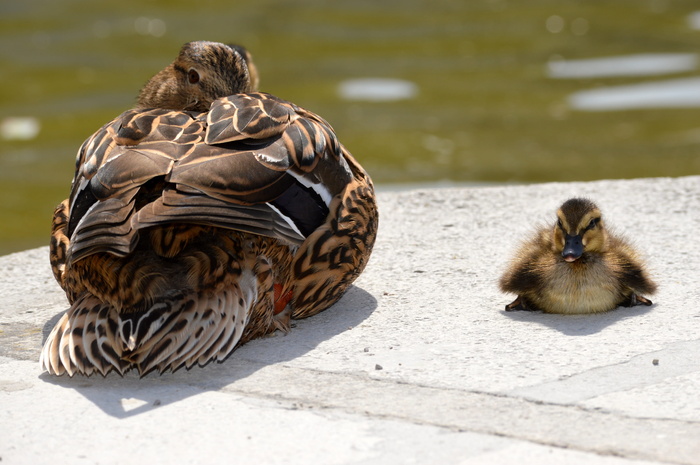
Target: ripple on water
x=19 y=128
x=377 y=89
x=643 y=64
x=694 y=20
x=673 y=93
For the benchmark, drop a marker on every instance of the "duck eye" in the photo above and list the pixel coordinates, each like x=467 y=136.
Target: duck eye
x=560 y=224
x=193 y=76
x=593 y=223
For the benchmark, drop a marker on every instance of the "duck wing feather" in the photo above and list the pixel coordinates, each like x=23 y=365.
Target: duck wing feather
x=254 y=163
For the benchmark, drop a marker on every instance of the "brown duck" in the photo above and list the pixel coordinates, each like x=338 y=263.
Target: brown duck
x=576 y=266
x=207 y=216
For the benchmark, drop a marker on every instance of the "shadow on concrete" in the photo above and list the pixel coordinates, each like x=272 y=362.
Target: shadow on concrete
x=48 y=326
x=579 y=325
x=127 y=396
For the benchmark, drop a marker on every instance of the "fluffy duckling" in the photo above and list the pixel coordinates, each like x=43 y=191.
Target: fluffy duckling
x=576 y=266
x=207 y=216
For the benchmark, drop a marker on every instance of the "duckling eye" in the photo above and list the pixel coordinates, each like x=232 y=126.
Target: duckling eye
x=193 y=76
x=593 y=223
x=561 y=226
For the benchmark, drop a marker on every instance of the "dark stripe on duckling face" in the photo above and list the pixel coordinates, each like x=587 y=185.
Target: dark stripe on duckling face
x=573 y=210
x=575 y=218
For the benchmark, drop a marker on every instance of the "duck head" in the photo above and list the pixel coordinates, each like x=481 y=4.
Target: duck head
x=579 y=229
x=201 y=73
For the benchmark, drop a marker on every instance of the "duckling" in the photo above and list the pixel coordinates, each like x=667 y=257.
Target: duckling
x=209 y=215
x=576 y=267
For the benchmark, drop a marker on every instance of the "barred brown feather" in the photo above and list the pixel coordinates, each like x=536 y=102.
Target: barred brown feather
x=186 y=231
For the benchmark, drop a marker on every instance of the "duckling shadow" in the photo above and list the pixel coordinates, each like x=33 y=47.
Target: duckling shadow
x=127 y=396
x=578 y=325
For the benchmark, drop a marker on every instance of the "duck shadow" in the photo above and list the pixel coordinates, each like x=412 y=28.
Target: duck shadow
x=578 y=325
x=129 y=395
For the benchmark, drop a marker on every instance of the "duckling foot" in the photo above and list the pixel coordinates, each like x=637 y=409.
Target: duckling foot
x=635 y=300
x=518 y=304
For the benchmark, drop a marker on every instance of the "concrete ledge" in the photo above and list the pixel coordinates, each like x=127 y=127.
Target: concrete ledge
x=417 y=363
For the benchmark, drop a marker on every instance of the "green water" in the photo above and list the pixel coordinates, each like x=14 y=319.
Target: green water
x=485 y=110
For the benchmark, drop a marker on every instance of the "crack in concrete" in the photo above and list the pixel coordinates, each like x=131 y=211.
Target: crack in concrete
x=676 y=359
x=565 y=426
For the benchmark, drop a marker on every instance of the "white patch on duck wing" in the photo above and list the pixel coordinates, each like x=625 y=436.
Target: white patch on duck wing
x=318 y=187
x=281 y=163
x=287 y=220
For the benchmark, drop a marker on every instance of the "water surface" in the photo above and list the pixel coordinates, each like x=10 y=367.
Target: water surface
x=449 y=91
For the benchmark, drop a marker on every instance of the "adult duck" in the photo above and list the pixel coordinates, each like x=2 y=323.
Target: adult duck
x=208 y=215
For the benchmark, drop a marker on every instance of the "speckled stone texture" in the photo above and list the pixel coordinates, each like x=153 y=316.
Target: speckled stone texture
x=417 y=363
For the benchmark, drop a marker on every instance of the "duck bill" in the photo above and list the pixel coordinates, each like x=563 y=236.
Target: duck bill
x=573 y=248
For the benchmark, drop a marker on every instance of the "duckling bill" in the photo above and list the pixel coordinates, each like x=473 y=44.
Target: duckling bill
x=576 y=266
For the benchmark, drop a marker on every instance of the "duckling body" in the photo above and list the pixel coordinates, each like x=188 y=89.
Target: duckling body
x=576 y=267
x=207 y=216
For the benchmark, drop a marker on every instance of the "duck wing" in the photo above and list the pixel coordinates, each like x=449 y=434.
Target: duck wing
x=253 y=163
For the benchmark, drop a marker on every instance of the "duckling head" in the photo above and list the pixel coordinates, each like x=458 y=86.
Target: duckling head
x=201 y=73
x=579 y=229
